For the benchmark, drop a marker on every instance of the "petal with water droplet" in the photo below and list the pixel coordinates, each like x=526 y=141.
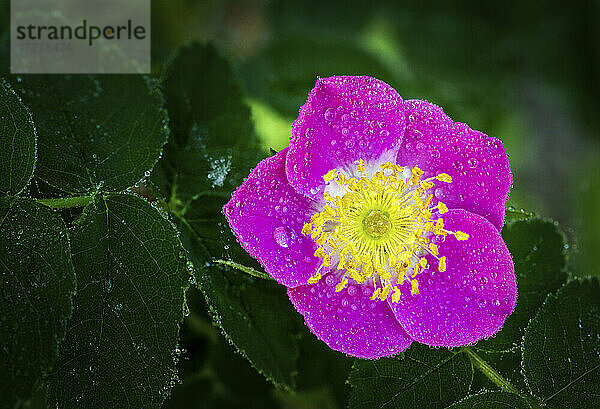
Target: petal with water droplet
x=267 y=216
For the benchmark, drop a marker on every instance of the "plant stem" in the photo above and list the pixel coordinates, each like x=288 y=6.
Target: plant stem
x=490 y=372
x=248 y=270
x=66 y=202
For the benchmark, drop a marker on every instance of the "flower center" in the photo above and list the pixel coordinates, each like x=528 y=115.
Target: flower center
x=378 y=227
x=376 y=224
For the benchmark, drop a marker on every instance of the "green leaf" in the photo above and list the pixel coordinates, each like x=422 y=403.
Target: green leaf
x=538 y=251
x=95 y=130
x=284 y=73
x=211 y=150
x=121 y=350
x=423 y=378
x=17 y=142
x=254 y=314
x=212 y=145
x=561 y=347
x=495 y=400
x=212 y=371
x=37 y=284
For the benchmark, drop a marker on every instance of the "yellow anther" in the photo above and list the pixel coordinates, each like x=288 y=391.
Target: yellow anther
x=341 y=285
x=426 y=185
x=433 y=249
x=320 y=252
x=461 y=236
x=417 y=171
x=416 y=176
x=416 y=270
x=329 y=176
x=306 y=229
x=322 y=239
x=314 y=279
x=442 y=208
x=414 y=290
x=444 y=177
x=360 y=167
x=423 y=262
x=376 y=293
x=442 y=264
x=439 y=227
x=386 y=291
x=396 y=295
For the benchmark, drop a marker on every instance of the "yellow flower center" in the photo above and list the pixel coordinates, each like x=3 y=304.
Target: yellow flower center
x=378 y=226
x=377 y=223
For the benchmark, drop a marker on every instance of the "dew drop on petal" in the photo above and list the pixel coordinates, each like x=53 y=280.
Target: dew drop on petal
x=329 y=114
x=282 y=236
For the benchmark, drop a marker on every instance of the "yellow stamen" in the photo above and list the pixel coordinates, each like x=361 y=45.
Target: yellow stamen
x=442 y=264
x=461 y=235
x=378 y=228
x=442 y=208
x=433 y=249
x=341 y=285
x=414 y=290
x=315 y=278
x=329 y=176
x=444 y=177
x=396 y=295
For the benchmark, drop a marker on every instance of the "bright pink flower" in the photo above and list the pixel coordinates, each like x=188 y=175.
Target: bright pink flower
x=382 y=218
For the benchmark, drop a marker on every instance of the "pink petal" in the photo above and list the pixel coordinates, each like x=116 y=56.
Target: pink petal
x=267 y=216
x=477 y=163
x=344 y=119
x=471 y=300
x=349 y=321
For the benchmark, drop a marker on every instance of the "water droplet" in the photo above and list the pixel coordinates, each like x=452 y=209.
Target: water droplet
x=458 y=166
x=282 y=236
x=330 y=114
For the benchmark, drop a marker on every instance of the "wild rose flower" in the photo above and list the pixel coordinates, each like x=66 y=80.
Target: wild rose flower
x=382 y=219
